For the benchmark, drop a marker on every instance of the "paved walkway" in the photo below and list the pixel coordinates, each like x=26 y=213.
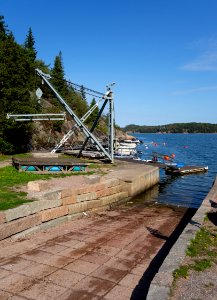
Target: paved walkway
x=103 y=256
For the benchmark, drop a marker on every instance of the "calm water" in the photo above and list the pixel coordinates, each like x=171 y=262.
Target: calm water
x=191 y=149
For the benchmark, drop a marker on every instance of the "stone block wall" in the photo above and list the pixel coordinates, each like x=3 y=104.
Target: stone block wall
x=56 y=206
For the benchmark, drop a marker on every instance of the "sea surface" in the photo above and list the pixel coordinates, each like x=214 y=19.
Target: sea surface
x=190 y=149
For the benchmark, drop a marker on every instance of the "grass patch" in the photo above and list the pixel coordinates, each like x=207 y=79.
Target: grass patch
x=4 y=157
x=202 y=252
x=201 y=265
x=10 y=178
x=182 y=272
x=200 y=244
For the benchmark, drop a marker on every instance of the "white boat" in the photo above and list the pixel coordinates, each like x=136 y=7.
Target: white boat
x=128 y=145
x=125 y=151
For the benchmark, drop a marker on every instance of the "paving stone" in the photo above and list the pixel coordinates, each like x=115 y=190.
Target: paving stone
x=37 y=270
x=65 y=278
x=52 y=248
x=130 y=280
x=82 y=267
x=116 y=243
x=139 y=269
x=96 y=258
x=16 y=213
x=95 y=286
x=73 y=253
x=78 y=295
x=16 y=264
x=108 y=273
x=107 y=250
x=47 y=258
x=43 y=291
x=129 y=255
x=15 y=297
x=5 y=295
x=119 y=264
x=15 y=283
x=119 y=293
x=4 y=273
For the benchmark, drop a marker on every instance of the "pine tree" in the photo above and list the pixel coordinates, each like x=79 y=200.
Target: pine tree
x=3 y=28
x=29 y=45
x=94 y=114
x=58 y=76
x=82 y=92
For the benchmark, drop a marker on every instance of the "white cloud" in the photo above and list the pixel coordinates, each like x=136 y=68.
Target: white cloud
x=207 y=59
x=205 y=62
x=195 y=90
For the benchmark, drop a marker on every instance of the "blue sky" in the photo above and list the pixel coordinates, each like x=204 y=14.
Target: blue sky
x=162 y=54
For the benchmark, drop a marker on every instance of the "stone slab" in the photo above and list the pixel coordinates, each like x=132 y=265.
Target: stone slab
x=53 y=213
x=13 y=227
x=17 y=212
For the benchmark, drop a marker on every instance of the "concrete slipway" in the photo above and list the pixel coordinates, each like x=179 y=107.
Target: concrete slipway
x=106 y=254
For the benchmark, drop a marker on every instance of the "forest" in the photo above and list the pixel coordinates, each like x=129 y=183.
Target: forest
x=192 y=127
x=18 y=83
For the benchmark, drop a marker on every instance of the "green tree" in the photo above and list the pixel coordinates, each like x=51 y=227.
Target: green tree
x=29 y=45
x=82 y=92
x=3 y=28
x=94 y=114
x=58 y=76
x=15 y=87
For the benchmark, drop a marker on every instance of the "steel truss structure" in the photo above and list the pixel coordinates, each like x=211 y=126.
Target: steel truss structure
x=79 y=123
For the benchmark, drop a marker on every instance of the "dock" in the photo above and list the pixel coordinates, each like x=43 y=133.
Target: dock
x=185 y=170
x=172 y=169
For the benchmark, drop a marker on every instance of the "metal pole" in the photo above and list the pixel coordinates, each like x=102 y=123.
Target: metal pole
x=111 y=127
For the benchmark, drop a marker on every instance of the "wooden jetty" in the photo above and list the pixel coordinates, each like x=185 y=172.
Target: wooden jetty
x=171 y=169
x=48 y=165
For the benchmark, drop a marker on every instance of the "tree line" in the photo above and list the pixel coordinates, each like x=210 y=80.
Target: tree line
x=192 y=127
x=18 y=83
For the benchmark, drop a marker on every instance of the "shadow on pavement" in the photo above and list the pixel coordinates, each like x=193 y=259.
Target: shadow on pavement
x=141 y=290
x=212 y=216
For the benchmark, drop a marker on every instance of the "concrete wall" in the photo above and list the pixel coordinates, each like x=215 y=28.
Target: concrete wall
x=54 y=207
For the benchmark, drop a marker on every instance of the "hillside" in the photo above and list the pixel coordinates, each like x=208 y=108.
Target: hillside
x=18 y=84
x=192 y=127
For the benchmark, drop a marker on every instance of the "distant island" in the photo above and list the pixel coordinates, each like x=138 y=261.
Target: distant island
x=192 y=127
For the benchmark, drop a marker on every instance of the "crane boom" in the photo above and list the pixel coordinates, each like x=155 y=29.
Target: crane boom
x=79 y=122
